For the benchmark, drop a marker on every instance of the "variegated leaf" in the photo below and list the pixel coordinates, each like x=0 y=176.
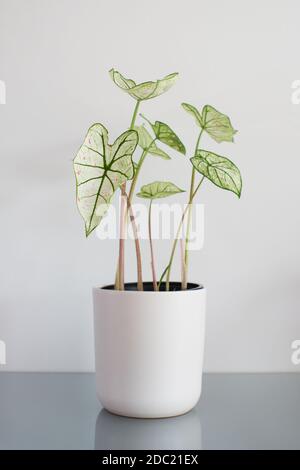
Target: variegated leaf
x=146 y=90
x=146 y=142
x=159 y=189
x=217 y=125
x=100 y=169
x=219 y=170
x=189 y=108
x=166 y=135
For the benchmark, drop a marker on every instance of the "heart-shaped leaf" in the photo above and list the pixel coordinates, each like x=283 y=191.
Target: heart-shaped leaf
x=159 y=189
x=145 y=90
x=146 y=142
x=217 y=125
x=166 y=135
x=100 y=169
x=219 y=170
x=189 y=108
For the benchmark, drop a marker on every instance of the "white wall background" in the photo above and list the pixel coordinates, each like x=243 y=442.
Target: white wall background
x=238 y=56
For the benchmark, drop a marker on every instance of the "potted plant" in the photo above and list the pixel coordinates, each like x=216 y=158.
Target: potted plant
x=149 y=336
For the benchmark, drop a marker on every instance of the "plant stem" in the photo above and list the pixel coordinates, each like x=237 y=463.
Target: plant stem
x=131 y=192
x=151 y=249
x=137 y=246
x=138 y=169
x=136 y=109
x=162 y=277
x=183 y=267
x=198 y=186
x=189 y=217
x=119 y=279
x=136 y=174
x=174 y=248
x=168 y=268
x=120 y=273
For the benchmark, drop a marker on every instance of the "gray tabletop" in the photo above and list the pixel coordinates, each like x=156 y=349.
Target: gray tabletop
x=236 y=411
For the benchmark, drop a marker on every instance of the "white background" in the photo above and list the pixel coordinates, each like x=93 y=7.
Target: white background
x=239 y=56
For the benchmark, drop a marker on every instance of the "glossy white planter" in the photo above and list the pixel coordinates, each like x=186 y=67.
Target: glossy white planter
x=149 y=351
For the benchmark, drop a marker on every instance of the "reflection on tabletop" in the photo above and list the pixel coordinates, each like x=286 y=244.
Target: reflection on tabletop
x=117 y=432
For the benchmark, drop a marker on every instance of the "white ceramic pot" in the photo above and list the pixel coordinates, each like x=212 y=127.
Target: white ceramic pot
x=149 y=350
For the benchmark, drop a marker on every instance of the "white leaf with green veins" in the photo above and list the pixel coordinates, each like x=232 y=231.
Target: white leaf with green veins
x=159 y=189
x=100 y=169
x=145 y=90
x=217 y=125
x=189 y=108
x=146 y=143
x=219 y=170
x=166 y=135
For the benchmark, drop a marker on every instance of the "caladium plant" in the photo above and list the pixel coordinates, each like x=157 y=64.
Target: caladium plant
x=101 y=169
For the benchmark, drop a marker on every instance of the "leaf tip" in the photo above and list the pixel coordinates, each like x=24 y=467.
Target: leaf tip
x=173 y=75
x=146 y=119
x=240 y=190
